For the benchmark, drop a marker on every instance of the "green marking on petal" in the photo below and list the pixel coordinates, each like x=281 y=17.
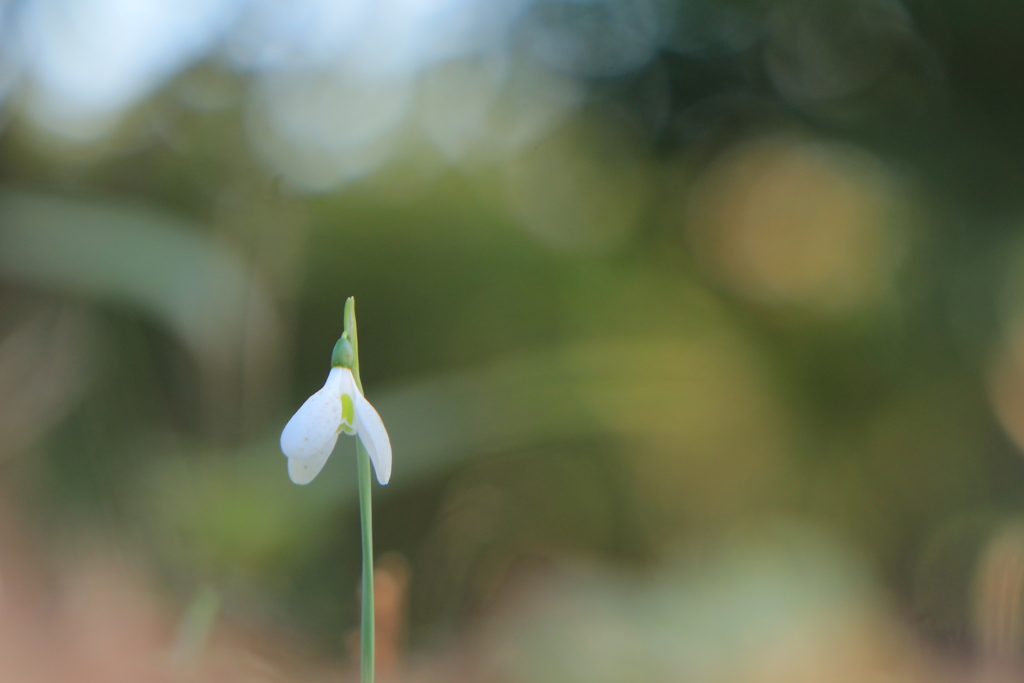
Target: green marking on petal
x=348 y=414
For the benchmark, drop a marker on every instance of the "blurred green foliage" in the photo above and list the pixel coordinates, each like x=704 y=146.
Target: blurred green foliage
x=568 y=366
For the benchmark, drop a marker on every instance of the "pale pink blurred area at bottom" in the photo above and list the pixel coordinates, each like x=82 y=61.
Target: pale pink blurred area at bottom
x=95 y=622
x=99 y=618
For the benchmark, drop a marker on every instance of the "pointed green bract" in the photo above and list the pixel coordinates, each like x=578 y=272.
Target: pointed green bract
x=353 y=336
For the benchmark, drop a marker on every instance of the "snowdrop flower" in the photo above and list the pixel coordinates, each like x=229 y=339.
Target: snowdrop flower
x=339 y=407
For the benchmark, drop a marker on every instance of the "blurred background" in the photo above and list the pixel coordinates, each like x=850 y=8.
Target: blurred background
x=697 y=325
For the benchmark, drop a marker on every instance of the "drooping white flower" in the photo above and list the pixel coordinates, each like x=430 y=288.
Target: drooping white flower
x=339 y=407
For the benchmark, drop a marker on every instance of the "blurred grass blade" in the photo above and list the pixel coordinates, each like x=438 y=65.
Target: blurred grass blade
x=194 y=630
x=133 y=255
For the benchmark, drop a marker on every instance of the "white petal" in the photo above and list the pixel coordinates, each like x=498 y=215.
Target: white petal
x=304 y=470
x=313 y=429
x=375 y=439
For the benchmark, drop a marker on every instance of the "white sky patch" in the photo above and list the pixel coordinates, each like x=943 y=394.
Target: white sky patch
x=386 y=38
x=93 y=58
x=319 y=130
x=303 y=33
x=333 y=82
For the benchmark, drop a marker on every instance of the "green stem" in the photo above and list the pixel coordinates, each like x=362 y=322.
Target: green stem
x=366 y=641
x=366 y=518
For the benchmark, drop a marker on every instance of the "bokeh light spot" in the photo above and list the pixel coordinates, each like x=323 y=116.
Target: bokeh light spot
x=792 y=222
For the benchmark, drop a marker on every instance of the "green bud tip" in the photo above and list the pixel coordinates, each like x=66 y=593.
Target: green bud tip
x=343 y=356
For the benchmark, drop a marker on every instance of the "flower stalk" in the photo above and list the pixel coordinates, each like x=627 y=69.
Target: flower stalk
x=309 y=439
x=366 y=639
